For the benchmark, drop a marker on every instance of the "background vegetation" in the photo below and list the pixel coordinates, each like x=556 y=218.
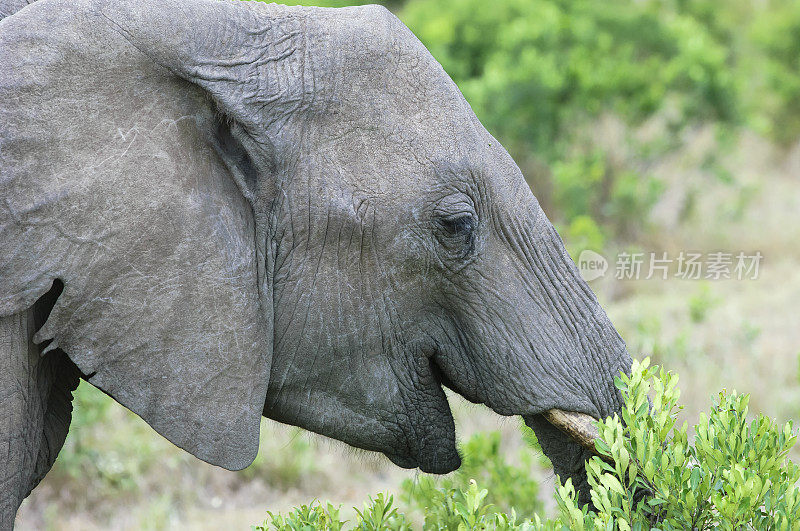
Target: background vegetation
x=649 y=475
x=652 y=126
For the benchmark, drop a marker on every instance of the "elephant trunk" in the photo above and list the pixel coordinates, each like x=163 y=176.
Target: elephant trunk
x=589 y=354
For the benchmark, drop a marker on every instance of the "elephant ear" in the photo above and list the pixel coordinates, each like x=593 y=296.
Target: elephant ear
x=119 y=178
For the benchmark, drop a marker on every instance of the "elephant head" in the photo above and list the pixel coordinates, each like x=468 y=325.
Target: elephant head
x=256 y=209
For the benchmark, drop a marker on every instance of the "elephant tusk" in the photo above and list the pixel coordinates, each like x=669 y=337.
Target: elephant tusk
x=580 y=427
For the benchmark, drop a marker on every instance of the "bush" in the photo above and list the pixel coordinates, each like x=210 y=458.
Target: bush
x=701 y=303
x=776 y=34
x=529 y=68
x=734 y=474
x=510 y=486
x=296 y=465
x=378 y=513
x=541 y=73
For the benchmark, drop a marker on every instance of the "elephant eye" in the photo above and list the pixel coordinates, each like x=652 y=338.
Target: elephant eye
x=457 y=233
x=460 y=225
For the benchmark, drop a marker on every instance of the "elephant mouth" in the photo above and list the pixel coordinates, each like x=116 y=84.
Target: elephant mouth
x=403 y=461
x=578 y=427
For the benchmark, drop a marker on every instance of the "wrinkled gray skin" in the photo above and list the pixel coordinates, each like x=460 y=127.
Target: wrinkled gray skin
x=235 y=209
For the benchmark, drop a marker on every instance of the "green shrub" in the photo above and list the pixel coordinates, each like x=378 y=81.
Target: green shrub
x=734 y=474
x=531 y=67
x=580 y=234
x=510 y=485
x=600 y=198
x=540 y=74
x=305 y=517
x=97 y=456
x=378 y=513
x=776 y=35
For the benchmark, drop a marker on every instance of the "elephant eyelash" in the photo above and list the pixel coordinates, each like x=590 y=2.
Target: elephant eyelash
x=457 y=234
x=458 y=225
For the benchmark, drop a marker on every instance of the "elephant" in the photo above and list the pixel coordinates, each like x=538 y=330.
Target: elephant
x=215 y=210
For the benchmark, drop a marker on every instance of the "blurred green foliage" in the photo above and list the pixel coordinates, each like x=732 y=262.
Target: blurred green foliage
x=297 y=462
x=114 y=455
x=776 y=34
x=535 y=69
x=95 y=454
x=701 y=303
x=541 y=73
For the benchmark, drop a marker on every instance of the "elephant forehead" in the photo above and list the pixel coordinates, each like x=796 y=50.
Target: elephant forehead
x=391 y=169
x=394 y=118
x=371 y=72
x=415 y=155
